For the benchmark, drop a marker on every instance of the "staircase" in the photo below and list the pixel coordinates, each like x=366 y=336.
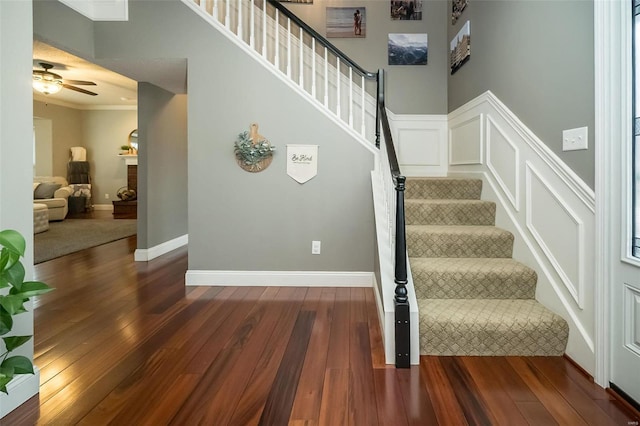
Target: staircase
x=473 y=298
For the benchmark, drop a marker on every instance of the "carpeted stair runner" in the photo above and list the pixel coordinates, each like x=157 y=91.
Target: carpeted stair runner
x=473 y=298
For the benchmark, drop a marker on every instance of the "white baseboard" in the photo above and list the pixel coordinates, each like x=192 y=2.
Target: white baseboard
x=103 y=207
x=280 y=278
x=144 y=255
x=20 y=389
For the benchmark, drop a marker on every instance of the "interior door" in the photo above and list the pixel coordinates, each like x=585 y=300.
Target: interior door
x=625 y=354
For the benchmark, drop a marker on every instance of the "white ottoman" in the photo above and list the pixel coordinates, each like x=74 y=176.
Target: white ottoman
x=40 y=218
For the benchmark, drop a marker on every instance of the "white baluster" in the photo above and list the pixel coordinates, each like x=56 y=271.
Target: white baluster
x=227 y=15
x=264 y=28
x=240 y=29
x=203 y=5
x=301 y=62
x=363 y=130
x=313 y=67
x=276 y=60
x=351 y=97
x=326 y=79
x=252 y=30
x=338 y=86
x=288 y=47
x=214 y=11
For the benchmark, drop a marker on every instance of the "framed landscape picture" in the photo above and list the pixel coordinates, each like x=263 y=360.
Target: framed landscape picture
x=408 y=49
x=406 y=10
x=346 y=22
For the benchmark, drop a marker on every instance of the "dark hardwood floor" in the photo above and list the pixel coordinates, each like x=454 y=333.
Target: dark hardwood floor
x=127 y=343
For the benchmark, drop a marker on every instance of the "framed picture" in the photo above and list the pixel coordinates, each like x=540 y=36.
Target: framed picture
x=406 y=10
x=346 y=22
x=408 y=49
x=457 y=8
x=460 y=49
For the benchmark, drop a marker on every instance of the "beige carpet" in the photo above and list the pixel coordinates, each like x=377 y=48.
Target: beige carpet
x=473 y=298
x=72 y=235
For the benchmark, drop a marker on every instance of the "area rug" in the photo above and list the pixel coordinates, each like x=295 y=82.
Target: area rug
x=72 y=235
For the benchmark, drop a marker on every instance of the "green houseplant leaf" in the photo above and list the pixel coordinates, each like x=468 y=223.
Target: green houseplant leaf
x=20 y=364
x=14 y=342
x=30 y=289
x=13 y=241
x=12 y=275
x=6 y=322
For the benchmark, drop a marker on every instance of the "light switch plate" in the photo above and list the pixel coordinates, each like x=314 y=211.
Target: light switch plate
x=575 y=139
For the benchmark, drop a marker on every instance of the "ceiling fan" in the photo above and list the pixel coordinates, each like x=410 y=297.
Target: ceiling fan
x=47 y=82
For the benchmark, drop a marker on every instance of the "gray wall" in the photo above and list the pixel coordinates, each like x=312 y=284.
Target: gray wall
x=66 y=126
x=162 y=169
x=101 y=132
x=416 y=89
x=238 y=220
x=537 y=57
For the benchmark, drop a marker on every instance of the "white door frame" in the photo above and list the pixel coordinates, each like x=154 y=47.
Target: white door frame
x=613 y=126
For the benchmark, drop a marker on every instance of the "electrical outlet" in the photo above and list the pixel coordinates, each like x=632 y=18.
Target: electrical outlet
x=575 y=139
x=106 y=196
x=315 y=247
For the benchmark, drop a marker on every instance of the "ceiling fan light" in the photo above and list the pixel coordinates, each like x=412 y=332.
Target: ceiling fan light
x=47 y=86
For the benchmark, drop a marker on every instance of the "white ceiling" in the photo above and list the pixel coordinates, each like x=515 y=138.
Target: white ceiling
x=114 y=90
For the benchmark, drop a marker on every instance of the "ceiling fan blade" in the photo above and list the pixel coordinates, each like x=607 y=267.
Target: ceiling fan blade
x=79 y=82
x=77 y=89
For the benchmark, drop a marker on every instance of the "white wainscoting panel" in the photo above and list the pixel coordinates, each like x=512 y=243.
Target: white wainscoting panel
x=558 y=230
x=466 y=141
x=421 y=143
x=632 y=318
x=502 y=159
x=547 y=207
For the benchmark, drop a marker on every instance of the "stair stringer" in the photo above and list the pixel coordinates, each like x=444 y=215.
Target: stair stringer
x=488 y=141
x=335 y=116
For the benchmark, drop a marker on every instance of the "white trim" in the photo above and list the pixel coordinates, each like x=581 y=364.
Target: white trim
x=630 y=313
x=279 y=278
x=606 y=49
x=432 y=130
x=20 y=389
x=144 y=255
x=575 y=289
x=59 y=102
x=103 y=207
x=568 y=176
x=101 y=10
x=514 y=198
x=480 y=120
